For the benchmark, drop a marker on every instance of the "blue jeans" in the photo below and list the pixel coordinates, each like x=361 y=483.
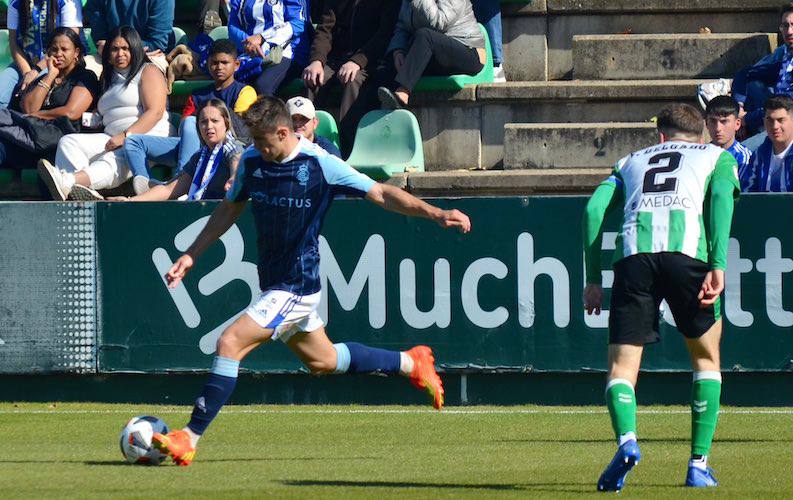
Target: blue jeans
x=274 y=75
x=9 y=79
x=172 y=152
x=488 y=12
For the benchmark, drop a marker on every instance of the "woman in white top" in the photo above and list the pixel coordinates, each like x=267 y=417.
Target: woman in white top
x=134 y=101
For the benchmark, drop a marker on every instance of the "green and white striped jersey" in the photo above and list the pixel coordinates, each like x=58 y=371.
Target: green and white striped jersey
x=664 y=189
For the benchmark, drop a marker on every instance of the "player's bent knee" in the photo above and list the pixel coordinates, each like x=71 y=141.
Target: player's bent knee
x=322 y=366
x=229 y=345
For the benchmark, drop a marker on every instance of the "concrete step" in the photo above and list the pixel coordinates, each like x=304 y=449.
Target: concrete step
x=538 y=35
x=570 y=145
x=467 y=129
x=621 y=57
x=505 y=183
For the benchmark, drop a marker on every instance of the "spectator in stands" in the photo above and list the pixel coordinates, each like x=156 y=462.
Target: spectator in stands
x=771 y=166
x=51 y=106
x=723 y=122
x=488 y=12
x=209 y=173
x=178 y=151
x=29 y=24
x=350 y=41
x=437 y=38
x=152 y=19
x=773 y=74
x=133 y=102
x=273 y=37
x=304 y=122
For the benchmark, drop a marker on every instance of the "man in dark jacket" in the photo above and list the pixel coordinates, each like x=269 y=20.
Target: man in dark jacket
x=350 y=39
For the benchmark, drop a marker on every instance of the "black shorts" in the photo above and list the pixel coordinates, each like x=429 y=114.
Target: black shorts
x=642 y=281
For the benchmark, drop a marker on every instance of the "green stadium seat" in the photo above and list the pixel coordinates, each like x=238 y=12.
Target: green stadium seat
x=180 y=36
x=6 y=176
x=5 y=50
x=160 y=172
x=327 y=127
x=292 y=89
x=387 y=143
x=90 y=41
x=187 y=87
x=29 y=176
x=456 y=83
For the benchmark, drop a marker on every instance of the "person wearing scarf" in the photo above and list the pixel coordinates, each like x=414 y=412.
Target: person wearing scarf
x=29 y=23
x=209 y=173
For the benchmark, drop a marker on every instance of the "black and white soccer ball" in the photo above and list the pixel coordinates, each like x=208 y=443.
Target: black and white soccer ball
x=136 y=440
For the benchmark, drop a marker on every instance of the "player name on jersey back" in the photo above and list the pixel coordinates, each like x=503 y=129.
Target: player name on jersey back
x=664 y=189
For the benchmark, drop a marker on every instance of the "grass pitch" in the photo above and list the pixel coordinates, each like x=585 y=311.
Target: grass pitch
x=71 y=450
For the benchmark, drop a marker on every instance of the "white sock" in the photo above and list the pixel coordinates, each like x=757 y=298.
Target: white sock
x=193 y=436
x=628 y=436
x=68 y=181
x=699 y=463
x=405 y=364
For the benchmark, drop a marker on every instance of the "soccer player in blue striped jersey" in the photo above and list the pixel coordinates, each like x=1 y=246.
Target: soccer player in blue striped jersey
x=723 y=122
x=291 y=183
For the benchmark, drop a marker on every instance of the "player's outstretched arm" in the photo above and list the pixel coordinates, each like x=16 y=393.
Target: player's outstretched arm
x=602 y=201
x=396 y=200
x=219 y=222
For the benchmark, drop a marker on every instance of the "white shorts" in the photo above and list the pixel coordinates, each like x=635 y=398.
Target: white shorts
x=286 y=313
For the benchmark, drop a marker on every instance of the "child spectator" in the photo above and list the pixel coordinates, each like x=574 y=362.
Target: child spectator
x=722 y=121
x=51 y=106
x=350 y=41
x=274 y=37
x=29 y=24
x=771 y=166
x=208 y=175
x=152 y=19
x=304 y=122
x=438 y=38
x=178 y=151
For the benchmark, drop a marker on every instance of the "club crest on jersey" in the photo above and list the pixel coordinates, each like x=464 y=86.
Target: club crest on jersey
x=302 y=175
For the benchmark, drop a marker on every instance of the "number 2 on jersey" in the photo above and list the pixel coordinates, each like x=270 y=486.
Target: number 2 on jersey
x=670 y=183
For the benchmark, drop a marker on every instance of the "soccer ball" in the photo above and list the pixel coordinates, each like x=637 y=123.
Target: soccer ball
x=136 y=440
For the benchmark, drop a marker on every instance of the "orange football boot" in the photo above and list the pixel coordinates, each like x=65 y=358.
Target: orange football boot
x=424 y=375
x=176 y=444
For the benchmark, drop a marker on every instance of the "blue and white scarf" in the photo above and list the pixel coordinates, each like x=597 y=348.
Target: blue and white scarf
x=784 y=83
x=208 y=164
x=36 y=32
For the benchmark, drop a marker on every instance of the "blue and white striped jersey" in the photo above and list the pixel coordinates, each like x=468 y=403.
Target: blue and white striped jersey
x=741 y=153
x=289 y=201
x=280 y=22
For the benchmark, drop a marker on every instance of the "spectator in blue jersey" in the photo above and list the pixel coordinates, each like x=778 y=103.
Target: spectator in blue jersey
x=304 y=122
x=722 y=121
x=152 y=19
x=209 y=173
x=29 y=24
x=176 y=152
x=432 y=38
x=274 y=37
x=291 y=184
x=771 y=166
x=771 y=75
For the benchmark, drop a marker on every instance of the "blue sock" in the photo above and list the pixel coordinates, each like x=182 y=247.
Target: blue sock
x=216 y=392
x=352 y=357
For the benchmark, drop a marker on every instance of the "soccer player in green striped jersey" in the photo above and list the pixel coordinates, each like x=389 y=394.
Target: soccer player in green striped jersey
x=677 y=200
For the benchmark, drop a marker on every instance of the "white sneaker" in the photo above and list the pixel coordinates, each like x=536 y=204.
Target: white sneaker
x=498 y=74
x=709 y=90
x=53 y=179
x=83 y=193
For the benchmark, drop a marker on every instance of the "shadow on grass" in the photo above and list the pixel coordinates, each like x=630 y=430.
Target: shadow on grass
x=122 y=463
x=675 y=440
x=588 y=487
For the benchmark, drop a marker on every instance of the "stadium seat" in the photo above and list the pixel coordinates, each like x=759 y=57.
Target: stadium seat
x=387 y=143
x=327 y=127
x=5 y=50
x=29 y=176
x=219 y=33
x=455 y=83
x=6 y=176
x=179 y=36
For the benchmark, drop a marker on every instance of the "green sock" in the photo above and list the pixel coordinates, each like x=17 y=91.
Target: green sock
x=705 y=395
x=621 y=400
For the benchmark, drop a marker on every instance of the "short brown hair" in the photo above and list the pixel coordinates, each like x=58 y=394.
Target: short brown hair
x=785 y=9
x=267 y=114
x=779 y=101
x=680 y=119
